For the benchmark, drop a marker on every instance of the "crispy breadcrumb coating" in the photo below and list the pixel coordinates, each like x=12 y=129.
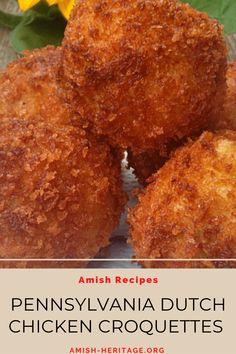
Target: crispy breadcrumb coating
x=60 y=194
x=147 y=163
x=148 y=71
x=189 y=210
x=227 y=119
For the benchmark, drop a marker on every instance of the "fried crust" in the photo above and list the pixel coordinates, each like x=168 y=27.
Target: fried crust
x=149 y=162
x=227 y=119
x=60 y=194
x=189 y=209
x=148 y=71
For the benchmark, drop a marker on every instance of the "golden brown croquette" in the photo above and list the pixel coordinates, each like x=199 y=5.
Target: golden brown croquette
x=60 y=194
x=189 y=209
x=147 y=71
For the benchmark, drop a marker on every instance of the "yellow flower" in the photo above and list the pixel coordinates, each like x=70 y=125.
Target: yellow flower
x=65 y=6
x=27 y=4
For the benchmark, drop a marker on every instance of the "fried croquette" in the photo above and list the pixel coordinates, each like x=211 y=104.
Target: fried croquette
x=227 y=119
x=189 y=209
x=60 y=194
x=147 y=71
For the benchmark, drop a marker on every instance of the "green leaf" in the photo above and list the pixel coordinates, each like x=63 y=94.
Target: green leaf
x=40 y=26
x=222 y=10
x=9 y=20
